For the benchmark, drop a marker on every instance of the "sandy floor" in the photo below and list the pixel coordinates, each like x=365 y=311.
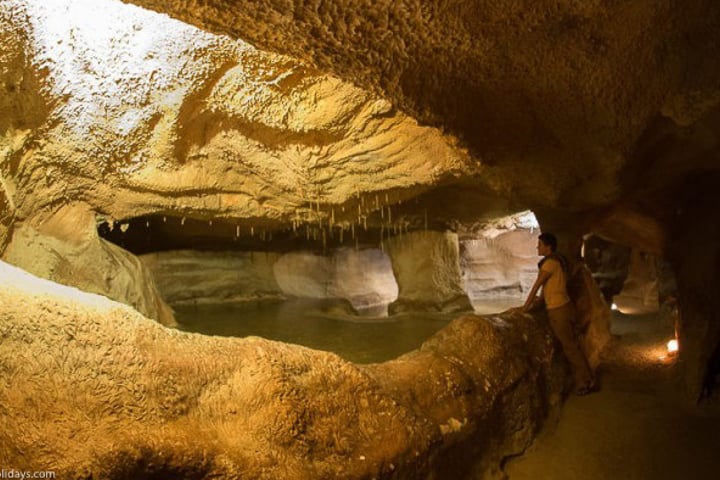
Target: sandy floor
x=639 y=426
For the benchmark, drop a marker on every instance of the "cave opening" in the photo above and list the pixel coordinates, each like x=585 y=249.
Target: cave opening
x=240 y=279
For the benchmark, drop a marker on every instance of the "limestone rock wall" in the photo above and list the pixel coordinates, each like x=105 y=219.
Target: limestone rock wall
x=363 y=277
x=171 y=119
x=427 y=270
x=187 y=276
x=640 y=290
x=64 y=247
x=499 y=267
x=577 y=82
x=93 y=389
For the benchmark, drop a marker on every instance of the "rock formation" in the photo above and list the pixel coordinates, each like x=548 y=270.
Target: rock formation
x=90 y=388
x=397 y=125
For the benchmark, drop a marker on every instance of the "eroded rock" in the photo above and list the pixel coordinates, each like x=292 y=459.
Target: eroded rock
x=125 y=396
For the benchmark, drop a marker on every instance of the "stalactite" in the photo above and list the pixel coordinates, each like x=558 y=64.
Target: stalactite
x=252 y=232
x=182 y=221
x=237 y=230
x=426 y=222
x=352 y=229
x=164 y=219
x=382 y=245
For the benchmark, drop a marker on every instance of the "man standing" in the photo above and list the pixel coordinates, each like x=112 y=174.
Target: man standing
x=552 y=277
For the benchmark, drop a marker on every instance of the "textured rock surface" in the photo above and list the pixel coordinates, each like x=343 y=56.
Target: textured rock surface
x=640 y=290
x=172 y=119
x=364 y=278
x=64 y=247
x=427 y=270
x=502 y=266
x=562 y=90
x=92 y=389
x=188 y=276
x=601 y=116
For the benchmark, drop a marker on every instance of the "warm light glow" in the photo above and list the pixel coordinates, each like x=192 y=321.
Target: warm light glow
x=672 y=346
x=613 y=307
x=93 y=49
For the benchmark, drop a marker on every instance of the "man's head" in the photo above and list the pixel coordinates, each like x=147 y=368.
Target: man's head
x=547 y=244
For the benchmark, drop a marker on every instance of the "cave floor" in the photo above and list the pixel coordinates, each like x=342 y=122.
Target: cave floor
x=638 y=426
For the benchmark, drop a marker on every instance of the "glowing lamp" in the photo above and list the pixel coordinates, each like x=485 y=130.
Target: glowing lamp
x=672 y=346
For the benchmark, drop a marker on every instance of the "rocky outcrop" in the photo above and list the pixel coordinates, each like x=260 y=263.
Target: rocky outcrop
x=601 y=113
x=193 y=277
x=64 y=247
x=93 y=389
x=501 y=266
x=427 y=270
x=640 y=290
x=162 y=124
x=608 y=263
x=364 y=278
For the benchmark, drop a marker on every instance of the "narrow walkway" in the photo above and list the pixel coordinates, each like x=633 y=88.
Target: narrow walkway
x=638 y=427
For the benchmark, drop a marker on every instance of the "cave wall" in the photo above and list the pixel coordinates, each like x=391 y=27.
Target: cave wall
x=64 y=247
x=364 y=277
x=594 y=112
x=427 y=269
x=99 y=391
x=640 y=290
x=194 y=277
x=501 y=266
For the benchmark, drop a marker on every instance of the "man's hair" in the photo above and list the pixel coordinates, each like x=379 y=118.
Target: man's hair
x=549 y=240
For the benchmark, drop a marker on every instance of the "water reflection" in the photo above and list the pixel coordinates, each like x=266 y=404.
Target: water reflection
x=319 y=324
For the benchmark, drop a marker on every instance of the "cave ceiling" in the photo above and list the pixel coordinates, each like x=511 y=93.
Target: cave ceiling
x=279 y=113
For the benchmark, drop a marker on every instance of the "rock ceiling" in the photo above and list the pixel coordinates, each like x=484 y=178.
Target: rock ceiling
x=547 y=105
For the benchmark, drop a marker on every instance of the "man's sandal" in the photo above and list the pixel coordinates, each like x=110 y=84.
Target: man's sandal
x=584 y=390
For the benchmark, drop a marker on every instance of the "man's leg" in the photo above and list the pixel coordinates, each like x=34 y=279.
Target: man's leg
x=561 y=324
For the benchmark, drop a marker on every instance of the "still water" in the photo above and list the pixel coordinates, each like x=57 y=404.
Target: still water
x=318 y=325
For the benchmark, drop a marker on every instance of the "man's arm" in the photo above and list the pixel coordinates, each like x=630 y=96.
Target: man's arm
x=542 y=277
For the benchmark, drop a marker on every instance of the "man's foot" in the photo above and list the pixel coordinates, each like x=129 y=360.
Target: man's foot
x=586 y=389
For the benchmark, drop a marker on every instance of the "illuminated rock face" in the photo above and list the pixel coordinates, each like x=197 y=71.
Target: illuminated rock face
x=364 y=278
x=192 y=277
x=64 y=247
x=427 y=268
x=501 y=266
x=598 y=115
x=129 y=398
